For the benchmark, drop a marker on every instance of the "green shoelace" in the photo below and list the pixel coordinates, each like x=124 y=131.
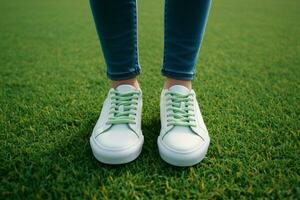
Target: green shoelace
x=123 y=107
x=180 y=109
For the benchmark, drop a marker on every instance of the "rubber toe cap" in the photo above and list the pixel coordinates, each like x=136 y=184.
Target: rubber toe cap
x=182 y=139
x=117 y=138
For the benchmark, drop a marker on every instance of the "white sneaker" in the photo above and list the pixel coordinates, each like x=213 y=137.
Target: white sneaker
x=183 y=139
x=117 y=137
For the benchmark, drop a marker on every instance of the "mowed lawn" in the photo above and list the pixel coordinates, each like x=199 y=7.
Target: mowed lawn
x=53 y=84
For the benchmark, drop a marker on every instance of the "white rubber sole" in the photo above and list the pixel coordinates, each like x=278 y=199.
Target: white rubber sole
x=115 y=157
x=181 y=159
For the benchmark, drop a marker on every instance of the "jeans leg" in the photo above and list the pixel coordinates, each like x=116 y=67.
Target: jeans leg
x=185 y=21
x=116 y=23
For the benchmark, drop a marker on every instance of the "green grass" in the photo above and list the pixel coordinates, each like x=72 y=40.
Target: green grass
x=53 y=84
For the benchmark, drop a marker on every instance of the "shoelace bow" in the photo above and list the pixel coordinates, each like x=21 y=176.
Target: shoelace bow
x=123 y=107
x=180 y=109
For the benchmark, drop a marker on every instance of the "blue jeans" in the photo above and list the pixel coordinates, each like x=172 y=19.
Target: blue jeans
x=184 y=24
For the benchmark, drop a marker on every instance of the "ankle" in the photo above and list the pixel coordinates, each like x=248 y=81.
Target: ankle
x=134 y=82
x=169 y=82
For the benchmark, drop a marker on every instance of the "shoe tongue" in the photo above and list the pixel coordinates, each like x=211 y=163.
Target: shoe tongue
x=125 y=88
x=179 y=89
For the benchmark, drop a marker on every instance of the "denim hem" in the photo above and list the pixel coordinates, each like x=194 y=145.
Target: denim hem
x=176 y=75
x=123 y=76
